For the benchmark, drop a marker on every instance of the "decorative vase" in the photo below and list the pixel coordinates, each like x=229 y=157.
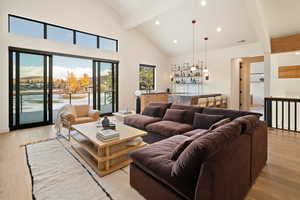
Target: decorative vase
x=105 y=122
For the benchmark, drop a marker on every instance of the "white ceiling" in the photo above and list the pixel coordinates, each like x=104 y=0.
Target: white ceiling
x=176 y=24
x=282 y=16
x=175 y=16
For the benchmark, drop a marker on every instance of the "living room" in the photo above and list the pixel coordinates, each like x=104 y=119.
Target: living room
x=157 y=76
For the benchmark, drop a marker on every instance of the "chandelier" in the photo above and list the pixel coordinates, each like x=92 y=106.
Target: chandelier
x=203 y=63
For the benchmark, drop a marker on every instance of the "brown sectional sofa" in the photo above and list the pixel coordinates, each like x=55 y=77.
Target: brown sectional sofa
x=220 y=164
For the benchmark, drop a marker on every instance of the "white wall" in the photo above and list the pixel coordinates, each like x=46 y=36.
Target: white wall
x=90 y=16
x=219 y=66
x=257 y=88
x=284 y=87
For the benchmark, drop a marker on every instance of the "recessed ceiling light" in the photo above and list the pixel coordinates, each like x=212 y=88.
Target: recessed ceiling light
x=241 y=41
x=297 y=53
x=157 y=22
x=219 y=29
x=175 y=41
x=203 y=3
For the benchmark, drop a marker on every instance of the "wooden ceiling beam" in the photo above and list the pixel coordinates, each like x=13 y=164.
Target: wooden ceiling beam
x=285 y=44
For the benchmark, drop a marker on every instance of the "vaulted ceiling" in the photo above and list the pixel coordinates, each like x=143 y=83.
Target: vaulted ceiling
x=282 y=16
x=175 y=21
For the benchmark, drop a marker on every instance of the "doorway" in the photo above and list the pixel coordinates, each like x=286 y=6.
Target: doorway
x=252 y=84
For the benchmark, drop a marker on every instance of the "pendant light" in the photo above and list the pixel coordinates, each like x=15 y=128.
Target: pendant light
x=205 y=69
x=194 y=68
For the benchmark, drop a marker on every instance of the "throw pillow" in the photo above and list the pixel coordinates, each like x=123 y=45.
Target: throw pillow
x=219 y=123
x=152 y=111
x=204 y=121
x=174 y=115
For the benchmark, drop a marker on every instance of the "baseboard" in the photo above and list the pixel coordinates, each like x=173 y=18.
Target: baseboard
x=4 y=130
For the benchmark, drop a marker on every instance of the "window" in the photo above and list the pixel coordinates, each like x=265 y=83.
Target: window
x=147 y=77
x=26 y=27
x=108 y=44
x=33 y=28
x=59 y=34
x=86 y=40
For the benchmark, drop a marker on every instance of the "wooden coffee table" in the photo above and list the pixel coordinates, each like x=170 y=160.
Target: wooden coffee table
x=105 y=157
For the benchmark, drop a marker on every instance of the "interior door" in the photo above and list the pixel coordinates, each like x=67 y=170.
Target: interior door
x=30 y=95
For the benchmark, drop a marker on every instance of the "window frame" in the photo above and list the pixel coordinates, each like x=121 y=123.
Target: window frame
x=154 y=76
x=45 y=27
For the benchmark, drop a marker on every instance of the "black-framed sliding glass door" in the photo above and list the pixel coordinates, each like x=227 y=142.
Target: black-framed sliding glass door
x=29 y=90
x=106 y=90
x=41 y=83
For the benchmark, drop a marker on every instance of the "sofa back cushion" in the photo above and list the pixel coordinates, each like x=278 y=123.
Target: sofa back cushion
x=219 y=123
x=248 y=123
x=82 y=110
x=191 y=110
x=181 y=147
x=189 y=162
x=152 y=111
x=232 y=114
x=175 y=115
x=163 y=106
x=204 y=121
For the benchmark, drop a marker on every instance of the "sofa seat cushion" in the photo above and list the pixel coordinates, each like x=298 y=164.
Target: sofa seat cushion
x=155 y=160
x=196 y=132
x=140 y=121
x=168 y=128
x=232 y=114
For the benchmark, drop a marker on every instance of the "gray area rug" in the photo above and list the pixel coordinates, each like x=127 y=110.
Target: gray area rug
x=58 y=173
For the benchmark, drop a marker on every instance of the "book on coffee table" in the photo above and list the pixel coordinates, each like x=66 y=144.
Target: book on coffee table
x=107 y=135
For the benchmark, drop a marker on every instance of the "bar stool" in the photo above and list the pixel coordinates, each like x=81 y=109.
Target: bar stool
x=218 y=100
x=202 y=102
x=211 y=102
x=224 y=101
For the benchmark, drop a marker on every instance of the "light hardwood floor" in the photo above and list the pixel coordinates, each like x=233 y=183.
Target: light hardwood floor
x=280 y=179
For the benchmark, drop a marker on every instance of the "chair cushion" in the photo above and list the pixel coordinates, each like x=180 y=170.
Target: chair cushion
x=204 y=121
x=232 y=114
x=152 y=111
x=189 y=162
x=191 y=110
x=168 y=128
x=155 y=160
x=82 y=110
x=140 y=121
x=164 y=107
x=81 y=120
x=175 y=115
x=219 y=123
